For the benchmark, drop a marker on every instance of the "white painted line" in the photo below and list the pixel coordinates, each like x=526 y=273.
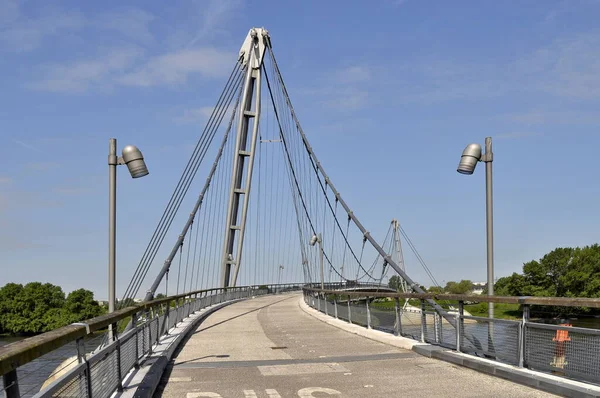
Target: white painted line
x=308 y=392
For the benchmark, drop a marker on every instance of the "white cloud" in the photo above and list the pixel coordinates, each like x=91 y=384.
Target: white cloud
x=82 y=75
x=213 y=14
x=22 y=34
x=566 y=68
x=176 y=67
x=195 y=115
x=26 y=145
x=348 y=99
x=353 y=74
x=132 y=23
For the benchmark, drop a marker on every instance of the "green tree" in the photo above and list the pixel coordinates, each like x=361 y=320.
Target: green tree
x=40 y=307
x=563 y=272
x=80 y=305
x=465 y=286
x=435 y=289
x=395 y=282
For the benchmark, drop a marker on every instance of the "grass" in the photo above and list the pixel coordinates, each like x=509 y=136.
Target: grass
x=501 y=311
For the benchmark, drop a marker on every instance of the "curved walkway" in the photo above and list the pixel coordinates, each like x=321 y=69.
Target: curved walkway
x=269 y=347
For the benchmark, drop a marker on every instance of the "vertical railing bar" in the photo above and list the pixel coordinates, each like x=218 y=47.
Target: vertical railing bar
x=335 y=306
x=134 y=321
x=397 y=324
x=119 y=367
x=423 y=321
x=368 y=314
x=349 y=311
x=523 y=338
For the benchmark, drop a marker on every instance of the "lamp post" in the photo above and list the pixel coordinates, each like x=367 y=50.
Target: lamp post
x=133 y=158
x=470 y=156
x=314 y=240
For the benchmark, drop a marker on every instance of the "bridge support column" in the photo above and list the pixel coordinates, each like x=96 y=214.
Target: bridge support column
x=252 y=53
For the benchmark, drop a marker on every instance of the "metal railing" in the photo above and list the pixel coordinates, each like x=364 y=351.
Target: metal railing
x=568 y=351
x=99 y=373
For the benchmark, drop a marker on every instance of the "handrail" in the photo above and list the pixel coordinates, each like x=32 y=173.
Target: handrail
x=19 y=353
x=529 y=300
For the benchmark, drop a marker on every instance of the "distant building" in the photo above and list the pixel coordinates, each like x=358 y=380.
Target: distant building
x=478 y=287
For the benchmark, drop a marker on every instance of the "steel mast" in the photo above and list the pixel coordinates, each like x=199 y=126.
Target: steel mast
x=251 y=57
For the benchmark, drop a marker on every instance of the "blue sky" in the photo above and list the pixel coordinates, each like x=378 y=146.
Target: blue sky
x=389 y=94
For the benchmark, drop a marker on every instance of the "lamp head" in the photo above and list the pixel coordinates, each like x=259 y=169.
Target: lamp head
x=134 y=160
x=314 y=240
x=470 y=156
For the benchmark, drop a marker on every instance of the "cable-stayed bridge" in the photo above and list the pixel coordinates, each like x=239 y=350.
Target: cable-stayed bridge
x=267 y=222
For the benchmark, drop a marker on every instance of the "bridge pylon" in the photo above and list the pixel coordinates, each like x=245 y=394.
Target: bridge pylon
x=251 y=58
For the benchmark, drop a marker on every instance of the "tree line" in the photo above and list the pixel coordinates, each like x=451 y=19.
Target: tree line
x=563 y=272
x=40 y=307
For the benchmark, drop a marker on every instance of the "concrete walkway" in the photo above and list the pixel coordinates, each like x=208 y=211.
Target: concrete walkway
x=269 y=347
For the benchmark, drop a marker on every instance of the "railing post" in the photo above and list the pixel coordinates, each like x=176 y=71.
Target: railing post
x=167 y=317
x=368 y=314
x=325 y=303
x=459 y=324
x=436 y=328
x=319 y=301
x=119 y=368
x=398 y=323
x=136 y=364
x=157 y=328
x=86 y=372
x=335 y=305
x=423 y=321
x=522 y=333
x=349 y=311
x=11 y=384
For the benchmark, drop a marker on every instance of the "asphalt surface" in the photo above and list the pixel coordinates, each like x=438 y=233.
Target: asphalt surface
x=268 y=347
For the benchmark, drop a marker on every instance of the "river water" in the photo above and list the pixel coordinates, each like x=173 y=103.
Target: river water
x=33 y=374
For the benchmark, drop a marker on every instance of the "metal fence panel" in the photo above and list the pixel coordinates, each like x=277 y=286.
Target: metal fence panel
x=104 y=375
x=571 y=352
x=493 y=338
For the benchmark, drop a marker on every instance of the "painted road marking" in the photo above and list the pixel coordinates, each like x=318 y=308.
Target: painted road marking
x=308 y=392
x=299 y=369
x=303 y=393
x=272 y=393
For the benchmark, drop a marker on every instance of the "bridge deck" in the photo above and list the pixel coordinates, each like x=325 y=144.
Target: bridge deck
x=269 y=347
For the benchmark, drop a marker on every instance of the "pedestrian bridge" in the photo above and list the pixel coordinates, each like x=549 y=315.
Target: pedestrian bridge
x=231 y=331
x=274 y=346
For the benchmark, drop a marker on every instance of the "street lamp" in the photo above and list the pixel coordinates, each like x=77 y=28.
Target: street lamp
x=470 y=156
x=133 y=158
x=314 y=240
